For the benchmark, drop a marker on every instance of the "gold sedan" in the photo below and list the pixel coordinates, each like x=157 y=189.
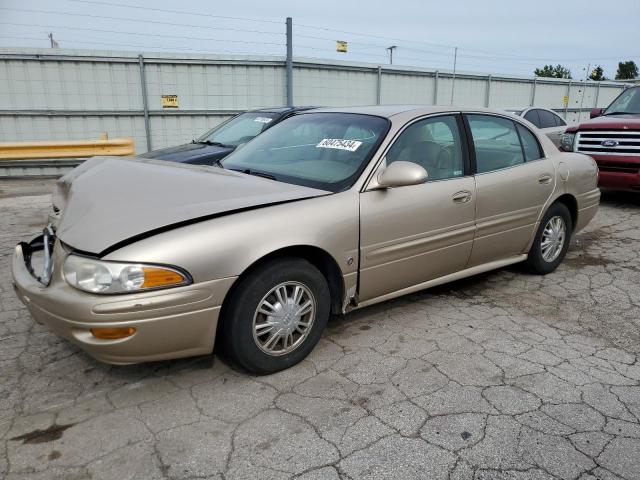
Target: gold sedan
x=328 y=211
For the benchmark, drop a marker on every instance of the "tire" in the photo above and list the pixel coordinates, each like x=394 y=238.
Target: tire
x=260 y=353
x=542 y=262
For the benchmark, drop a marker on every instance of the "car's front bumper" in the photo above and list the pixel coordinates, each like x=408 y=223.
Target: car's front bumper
x=172 y=323
x=623 y=182
x=618 y=172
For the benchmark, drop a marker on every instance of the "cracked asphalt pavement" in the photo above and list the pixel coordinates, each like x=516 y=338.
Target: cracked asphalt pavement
x=501 y=376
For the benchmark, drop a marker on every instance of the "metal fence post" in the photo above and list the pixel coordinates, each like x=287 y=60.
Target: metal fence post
x=453 y=79
x=145 y=102
x=289 y=62
x=379 y=86
x=566 y=107
x=487 y=93
x=533 y=92
x=435 y=88
x=595 y=103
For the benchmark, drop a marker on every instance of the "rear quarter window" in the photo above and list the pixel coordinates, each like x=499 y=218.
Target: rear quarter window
x=530 y=145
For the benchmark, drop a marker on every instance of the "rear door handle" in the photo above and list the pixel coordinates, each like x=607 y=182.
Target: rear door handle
x=461 y=197
x=545 y=179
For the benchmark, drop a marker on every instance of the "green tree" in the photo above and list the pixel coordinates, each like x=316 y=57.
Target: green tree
x=627 y=70
x=553 y=72
x=597 y=74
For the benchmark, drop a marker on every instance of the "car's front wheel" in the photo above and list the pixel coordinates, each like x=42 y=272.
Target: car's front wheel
x=276 y=315
x=552 y=240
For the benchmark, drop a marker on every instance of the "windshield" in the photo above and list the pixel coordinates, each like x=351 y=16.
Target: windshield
x=240 y=129
x=320 y=150
x=627 y=102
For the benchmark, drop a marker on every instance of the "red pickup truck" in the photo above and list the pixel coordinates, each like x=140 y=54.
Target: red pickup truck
x=612 y=139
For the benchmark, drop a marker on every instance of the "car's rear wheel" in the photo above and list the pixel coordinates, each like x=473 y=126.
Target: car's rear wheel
x=275 y=315
x=552 y=240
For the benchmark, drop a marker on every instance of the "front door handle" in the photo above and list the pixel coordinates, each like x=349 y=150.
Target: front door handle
x=461 y=197
x=545 y=179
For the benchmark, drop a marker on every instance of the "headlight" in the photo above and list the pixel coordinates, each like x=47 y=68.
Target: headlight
x=97 y=276
x=566 y=144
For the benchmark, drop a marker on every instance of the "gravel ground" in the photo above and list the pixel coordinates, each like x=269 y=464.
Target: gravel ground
x=502 y=376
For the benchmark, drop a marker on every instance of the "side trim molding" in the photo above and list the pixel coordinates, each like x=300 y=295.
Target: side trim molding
x=467 y=272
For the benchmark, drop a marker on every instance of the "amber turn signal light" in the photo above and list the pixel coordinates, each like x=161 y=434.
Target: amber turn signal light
x=160 y=277
x=112 y=333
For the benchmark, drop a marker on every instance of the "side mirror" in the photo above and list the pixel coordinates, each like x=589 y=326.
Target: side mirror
x=596 y=112
x=401 y=174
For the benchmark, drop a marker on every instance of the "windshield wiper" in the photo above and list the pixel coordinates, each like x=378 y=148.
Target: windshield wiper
x=255 y=173
x=215 y=144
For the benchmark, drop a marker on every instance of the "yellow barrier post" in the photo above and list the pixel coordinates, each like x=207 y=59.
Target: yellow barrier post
x=68 y=149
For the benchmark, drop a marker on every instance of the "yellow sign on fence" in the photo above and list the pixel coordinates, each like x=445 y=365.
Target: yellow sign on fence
x=169 y=101
x=565 y=100
x=341 y=46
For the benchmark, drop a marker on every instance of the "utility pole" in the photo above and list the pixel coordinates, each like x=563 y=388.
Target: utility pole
x=54 y=44
x=453 y=80
x=289 y=62
x=584 y=88
x=391 y=49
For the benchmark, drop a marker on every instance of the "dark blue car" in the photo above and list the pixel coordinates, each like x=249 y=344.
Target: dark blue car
x=219 y=142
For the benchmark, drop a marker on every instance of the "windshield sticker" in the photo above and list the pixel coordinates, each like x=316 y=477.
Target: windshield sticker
x=262 y=119
x=350 y=145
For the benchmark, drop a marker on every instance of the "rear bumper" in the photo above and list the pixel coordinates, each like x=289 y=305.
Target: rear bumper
x=172 y=323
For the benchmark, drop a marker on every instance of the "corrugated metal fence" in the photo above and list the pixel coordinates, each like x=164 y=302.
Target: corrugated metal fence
x=72 y=94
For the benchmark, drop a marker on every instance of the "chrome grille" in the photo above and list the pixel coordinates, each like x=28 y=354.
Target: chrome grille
x=614 y=142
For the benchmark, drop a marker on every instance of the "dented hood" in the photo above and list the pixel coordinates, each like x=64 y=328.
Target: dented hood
x=111 y=200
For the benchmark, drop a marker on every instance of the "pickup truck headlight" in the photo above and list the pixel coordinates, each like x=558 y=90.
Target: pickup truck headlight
x=97 y=276
x=566 y=144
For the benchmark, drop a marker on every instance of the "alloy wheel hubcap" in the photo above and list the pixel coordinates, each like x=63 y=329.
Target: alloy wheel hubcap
x=553 y=238
x=284 y=318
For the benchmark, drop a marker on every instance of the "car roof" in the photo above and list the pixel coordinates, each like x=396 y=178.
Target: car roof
x=389 y=111
x=281 y=109
x=522 y=109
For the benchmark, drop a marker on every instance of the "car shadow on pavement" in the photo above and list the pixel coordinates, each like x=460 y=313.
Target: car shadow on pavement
x=625 y=198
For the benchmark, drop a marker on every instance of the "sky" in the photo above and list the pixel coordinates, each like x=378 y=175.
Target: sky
x=492 y=36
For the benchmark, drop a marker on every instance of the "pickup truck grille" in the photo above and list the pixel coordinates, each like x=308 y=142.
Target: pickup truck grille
x=616 y=142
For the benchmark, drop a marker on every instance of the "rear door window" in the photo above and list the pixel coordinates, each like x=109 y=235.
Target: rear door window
x=532 y=116
x=559 y=121
x=496 y=143
x=547 y=119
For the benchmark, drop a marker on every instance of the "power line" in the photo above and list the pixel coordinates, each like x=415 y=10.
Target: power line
x=372 y=36
x=495 y=54
x=157 y=22
x=181 y=12
x=488 y=57
x=201 y=14
x=486 y=54
x=64 y=27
